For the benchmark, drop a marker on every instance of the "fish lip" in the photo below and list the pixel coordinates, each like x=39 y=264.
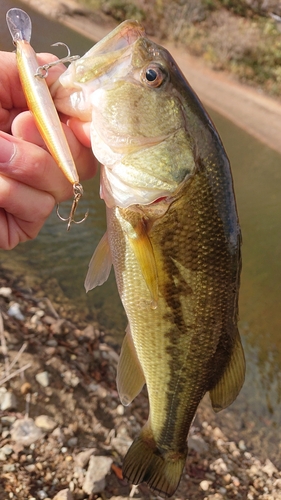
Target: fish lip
x=104 y=56
x=126 y=34
x=131 y=31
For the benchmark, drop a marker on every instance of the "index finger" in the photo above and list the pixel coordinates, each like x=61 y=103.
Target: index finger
x=12 y=99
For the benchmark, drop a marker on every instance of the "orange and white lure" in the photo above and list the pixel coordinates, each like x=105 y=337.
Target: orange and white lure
x=40 y=102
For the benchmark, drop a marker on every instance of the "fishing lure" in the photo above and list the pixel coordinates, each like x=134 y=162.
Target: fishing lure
x=40 y=102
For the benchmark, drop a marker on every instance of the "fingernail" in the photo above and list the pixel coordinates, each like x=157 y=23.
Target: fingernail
x=7 y=150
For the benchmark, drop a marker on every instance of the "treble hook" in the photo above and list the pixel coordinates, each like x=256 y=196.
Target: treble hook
x=77 y=193
x=42 y=71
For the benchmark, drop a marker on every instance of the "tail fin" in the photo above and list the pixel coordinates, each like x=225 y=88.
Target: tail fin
x=161 y=470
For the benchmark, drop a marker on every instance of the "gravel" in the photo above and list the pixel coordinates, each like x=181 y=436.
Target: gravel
x=66 y=440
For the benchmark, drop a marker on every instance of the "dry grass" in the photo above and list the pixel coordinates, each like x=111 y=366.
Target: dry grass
x=234 y=35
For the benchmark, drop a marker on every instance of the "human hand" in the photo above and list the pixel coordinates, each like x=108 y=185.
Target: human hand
x=30 y=181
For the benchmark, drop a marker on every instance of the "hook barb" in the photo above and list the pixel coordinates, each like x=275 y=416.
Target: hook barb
x=77 y=193
x=42 y=71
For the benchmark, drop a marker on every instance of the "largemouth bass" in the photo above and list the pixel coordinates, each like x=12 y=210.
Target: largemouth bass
x=173 y=238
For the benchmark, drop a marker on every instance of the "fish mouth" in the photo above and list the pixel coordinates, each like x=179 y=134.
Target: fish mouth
x=123 y=36
x=113 y=51
x=103 y=63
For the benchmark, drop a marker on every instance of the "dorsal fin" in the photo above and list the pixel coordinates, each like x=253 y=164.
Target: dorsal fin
x=100 y=265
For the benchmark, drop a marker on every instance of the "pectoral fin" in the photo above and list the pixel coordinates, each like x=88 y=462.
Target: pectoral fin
x=143 y=251
x=130 y=377
x=100 y=265
x=228 y=387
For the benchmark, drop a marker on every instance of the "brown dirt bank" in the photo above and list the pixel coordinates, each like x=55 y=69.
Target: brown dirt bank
x=248 y=108
x=63 y=432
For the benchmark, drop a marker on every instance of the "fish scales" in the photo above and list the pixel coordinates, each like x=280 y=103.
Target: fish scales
x=173 y=238
x=197 y=282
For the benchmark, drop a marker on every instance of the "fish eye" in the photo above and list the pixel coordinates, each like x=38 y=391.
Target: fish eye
x=153 y=75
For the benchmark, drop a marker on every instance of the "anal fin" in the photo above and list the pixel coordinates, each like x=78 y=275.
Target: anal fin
x=130 y=377
x=230 y=384
x=100 y=265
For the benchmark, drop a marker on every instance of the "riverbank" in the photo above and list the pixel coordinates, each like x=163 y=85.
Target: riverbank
x=248 y=108
x=63 y=431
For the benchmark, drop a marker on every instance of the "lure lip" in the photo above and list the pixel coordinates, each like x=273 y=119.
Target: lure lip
x=20 y=30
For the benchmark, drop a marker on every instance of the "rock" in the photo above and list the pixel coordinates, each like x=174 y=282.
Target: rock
x=204 y=485
x=254 y=470
x=30 y=468
x=25 y=432
x=120 y=410
x=232 y=447
x=89 y=332
x=58 y=434
x=42 y=495
x=242 y=445
x=227 y=478
x=43 y=378
x=219 y=466
x=26 y=388
x=70 y=378
x=8 y=401
x=8 y=420
x=236 y=481
x=56 y=327
x=72 y=442
x=50 y=351
x=63 y=495
x=123 y=498
x=217 y=433
x=49 y=320
x=7 y=450
x=83 y=457
x=40 y=313
x=197 y=444
x=98 y=468
x=269 y=468
x=9 y=468
x=5 y=291
x=52 y=343
x=46 y=423
x=3 y=391
x=121 y=444
x=3 y=457
x=15 y=312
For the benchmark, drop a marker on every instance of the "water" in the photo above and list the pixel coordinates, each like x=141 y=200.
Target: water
x=36 y=258
x=257 y=177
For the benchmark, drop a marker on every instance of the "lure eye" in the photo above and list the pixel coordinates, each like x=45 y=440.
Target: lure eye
x=153 y=76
